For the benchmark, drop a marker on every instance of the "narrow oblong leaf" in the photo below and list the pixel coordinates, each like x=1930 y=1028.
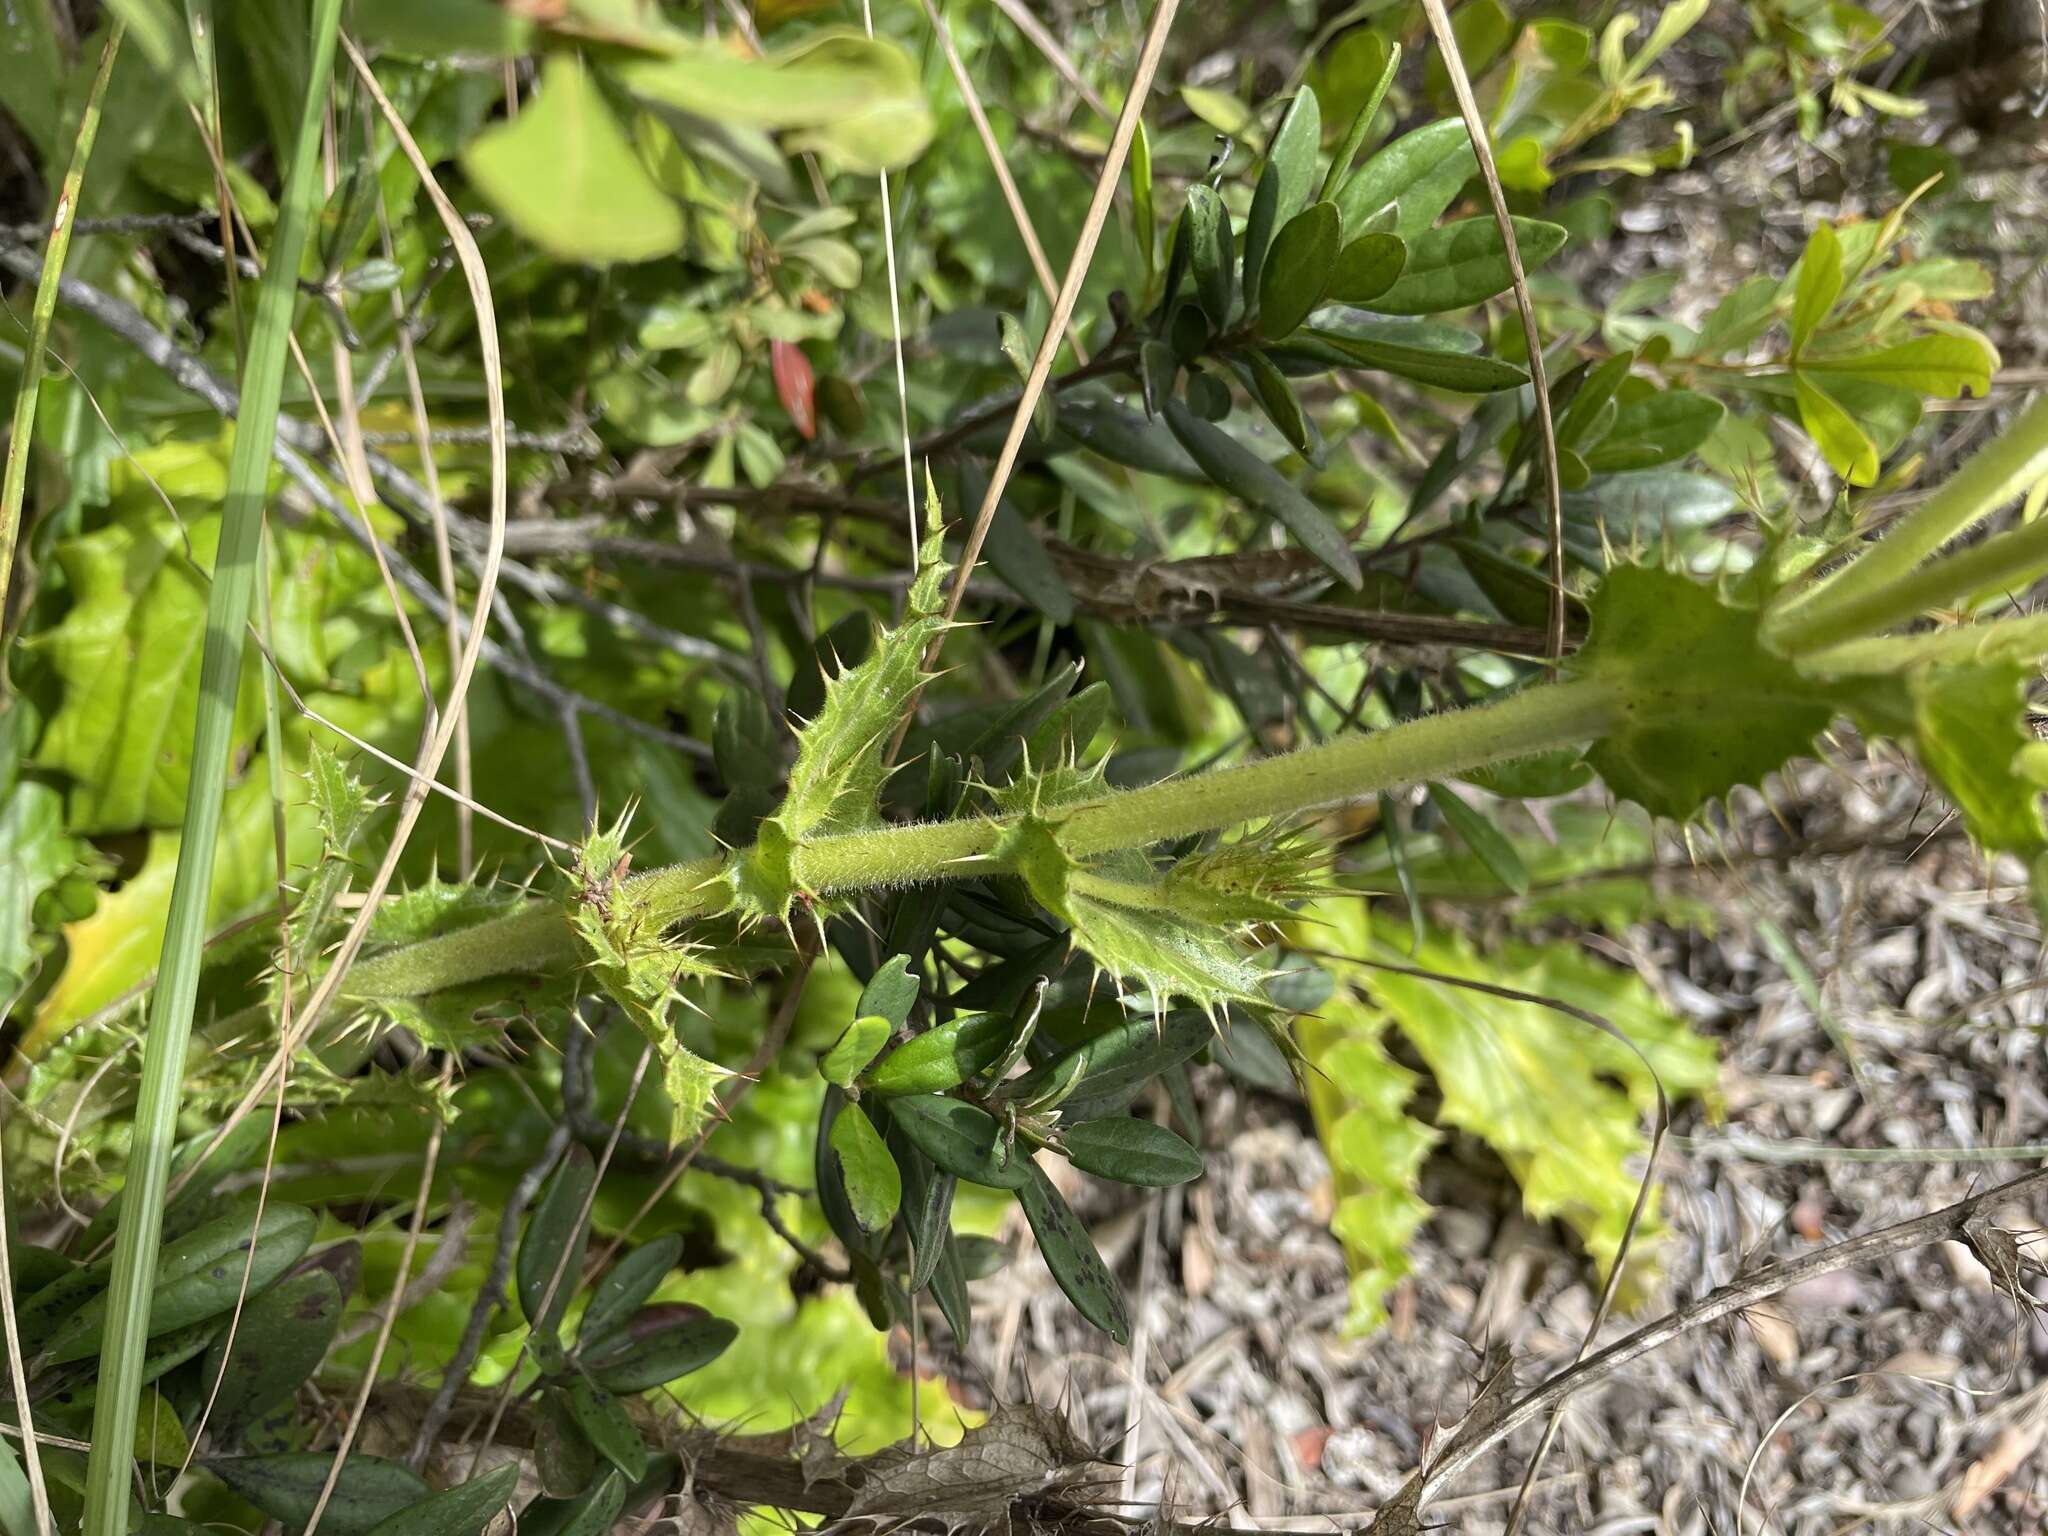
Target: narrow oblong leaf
x=961 y=1140
x=564 y=1460
x=463 y=1510
x=1483 y=838
x=1016 y=554
x=927 y=1214
x=1843 y=443
x=1461 y=264
x=1425 y=365
x=1420 y=172
x=941 y=1058
x=1207 y=228
x=1947 y=364
x=890 y=993
x=557 y=1235
x=591 y=1513
x=874 y=1187
x=1264 y=489
x=1131 y=1151
x=661 y=1345
x=286 y=1486
x=1132 y=1053
x=1297 y=143
x=280 y=1340
x=1298 y=270
x=1819 y=285
x=1277 y=399
x=1071 y=1256
x=607 y=1426
x=1656 y=429
x=1258 y=227
x=201 y=1275
x=626 y=1287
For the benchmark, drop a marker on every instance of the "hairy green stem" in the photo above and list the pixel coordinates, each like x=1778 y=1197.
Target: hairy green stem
x=1851 y=600
x=1335 y=773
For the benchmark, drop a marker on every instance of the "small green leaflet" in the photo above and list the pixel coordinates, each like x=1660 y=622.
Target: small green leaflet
x=874 y=1186
x=1460 y=264
x=1071 y=1256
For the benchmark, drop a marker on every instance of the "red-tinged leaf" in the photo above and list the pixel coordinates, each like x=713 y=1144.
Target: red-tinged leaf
x=796 y=385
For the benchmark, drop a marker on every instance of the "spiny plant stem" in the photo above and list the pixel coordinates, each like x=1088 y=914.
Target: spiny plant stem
x=172 y=999
x=1347 y=769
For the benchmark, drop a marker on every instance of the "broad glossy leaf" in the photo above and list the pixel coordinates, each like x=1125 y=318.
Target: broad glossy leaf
x=1946 y=364
x=626 y=1287
x=1367 y=268
x=1656 y=429
x=941 y=1058
x=201 y=1274
x=280 y=1340
x=1818 y=287
x=607 y=1426
x=286 y=1487
x=1131 y=1151
x=1070 y=1255
x=1297 y=144
x=1420 y=171
x=1728 y=710
x=1483 y=838
x=891 y=992
x=1263 y=489
x=1845 y=445
x=1298 y=270
x=857 y=1045
x=1463 y=263
x=961 y=1140
x=1126 y=437
x=855 y=100
x=1457 y=371
x=557 y=1235
x=874 y=1187
x=463 y=1510
x=1208 y=234
x=567 y=178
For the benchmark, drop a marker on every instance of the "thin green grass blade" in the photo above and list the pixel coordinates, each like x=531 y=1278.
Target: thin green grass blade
x=14 y=485
x=171 y=1003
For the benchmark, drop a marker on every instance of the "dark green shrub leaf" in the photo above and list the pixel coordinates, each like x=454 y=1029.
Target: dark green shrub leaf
x=626 y=1287
x=591 y=1513
x=1298 y=270
x=1483 y=838
x=1016 y=554
x=1297 y=144
x=961 y=1140
x=1258 y=227
x=1121 y=1059
x=281 y=1339
x=1072 y=1258
x=1263 y=489
x=200 y=1275
x=1131 y=1151
x=1463 y=263
x=1277 y=399
x=1818 y=285
x=1420 y=172
x=660 y=1344
x=1209 y=254
x=1446 y=370
x=1367 y=268
x=463 y=1510
x=856 y=1046
x=927 y=1213
x=1208 y=396
x=285 y=1487
x=1845 y=445
x=563 y=1459
x=1946 y=364
x=941 y=1058
x=874 y=1187
x=607 y=1426
x=557 y=1234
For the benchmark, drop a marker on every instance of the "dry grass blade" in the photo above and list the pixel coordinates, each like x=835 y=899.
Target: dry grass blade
x=435 y=751
x=867 y=17
x=1475 y=125
x=1070 y=292
x=1019 y=214
x=17 y=1378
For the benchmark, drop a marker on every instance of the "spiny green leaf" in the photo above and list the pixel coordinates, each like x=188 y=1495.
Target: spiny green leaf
x=1708 y=706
